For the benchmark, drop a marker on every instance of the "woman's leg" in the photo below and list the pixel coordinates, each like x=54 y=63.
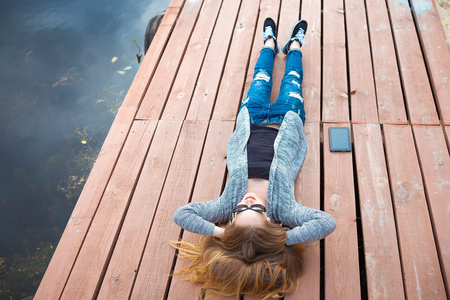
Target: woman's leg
x=258 y=96
x=290 y=97
x=257 y=99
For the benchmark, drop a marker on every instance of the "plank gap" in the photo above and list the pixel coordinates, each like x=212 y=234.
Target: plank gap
x=347 y=63
x=417 y=138
x=180 y=63
x=322 y=207
x=321 y=81
x=175 y=257
x=393 y=204
x=408 y=116
x=240 y=14
x=371 y=58
x=156 y=208
x=425 y=62
x=175 y=109
x=359 y=230
x=116 y=237
x=230 y=44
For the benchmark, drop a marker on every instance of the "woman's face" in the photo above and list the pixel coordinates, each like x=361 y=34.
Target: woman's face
x=250 y=217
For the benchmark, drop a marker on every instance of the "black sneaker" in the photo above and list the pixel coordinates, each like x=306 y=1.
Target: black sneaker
x=270 y=31
x=297 y=34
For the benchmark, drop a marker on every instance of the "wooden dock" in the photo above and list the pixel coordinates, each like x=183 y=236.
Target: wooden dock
x=379 y=67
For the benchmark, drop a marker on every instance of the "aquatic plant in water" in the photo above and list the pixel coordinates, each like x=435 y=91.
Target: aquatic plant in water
x=21 y=275
x=138 y=55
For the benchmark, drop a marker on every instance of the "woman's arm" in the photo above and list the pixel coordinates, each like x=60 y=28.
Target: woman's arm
x=200 y=217
x=307 y=224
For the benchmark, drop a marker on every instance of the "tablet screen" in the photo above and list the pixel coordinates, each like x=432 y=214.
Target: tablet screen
x=339 y=139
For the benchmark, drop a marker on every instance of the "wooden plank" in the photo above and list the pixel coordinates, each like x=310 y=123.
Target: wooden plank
x=268 y=8
x=362 y=90
x=341 y=247
x=334 y=73
x=65 y=254
x=391 y=108
x=421 y=271
x=383 y=269
x=175 y=3
x=109 y=216
x=183 y=87
x=157 y=93
x=156 y=262
x=207 y=85
x=307 y=193
x=417 y=91
x=312 y=61
x=289 y=15
x=435 y=164
x=232 y=82
x=209 y=184
x=151 y=59
x=125 y=260
x=436 y=52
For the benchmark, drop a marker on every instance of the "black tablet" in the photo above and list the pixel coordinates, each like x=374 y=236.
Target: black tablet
x=339 y=139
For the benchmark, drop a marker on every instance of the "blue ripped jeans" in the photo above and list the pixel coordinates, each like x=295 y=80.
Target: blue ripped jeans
x=257 y=100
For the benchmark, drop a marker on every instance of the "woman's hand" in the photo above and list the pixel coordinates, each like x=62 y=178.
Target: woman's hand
x=218 y=232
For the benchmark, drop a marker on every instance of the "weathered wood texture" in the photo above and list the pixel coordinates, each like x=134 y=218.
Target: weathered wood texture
x=335 y=96
x=422 y=272
x=419 y=98
x=233 y=77
x=435 y=165
x=341 y=247
x=379 y=67
x=362 y=90
x=121 y=272
x=184 y=83
x=207 y=86
x=436 y=52
x=383 y=270
x=157 y=93
x=391 y=108
x=312 y=63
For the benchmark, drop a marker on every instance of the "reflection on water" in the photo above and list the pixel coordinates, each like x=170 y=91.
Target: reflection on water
x=59 y=90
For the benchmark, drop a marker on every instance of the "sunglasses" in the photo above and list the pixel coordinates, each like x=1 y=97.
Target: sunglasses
x=256 y=207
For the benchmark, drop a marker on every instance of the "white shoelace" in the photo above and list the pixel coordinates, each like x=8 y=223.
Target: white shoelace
x=300 y=36
x=268 y=32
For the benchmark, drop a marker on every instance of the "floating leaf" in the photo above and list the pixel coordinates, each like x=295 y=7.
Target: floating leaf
x=113 y=60
x=84 y=142
x=139 y=58
x=121 y=72
x=127 y=68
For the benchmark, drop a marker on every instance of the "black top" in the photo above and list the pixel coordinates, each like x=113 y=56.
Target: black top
x=260 y=150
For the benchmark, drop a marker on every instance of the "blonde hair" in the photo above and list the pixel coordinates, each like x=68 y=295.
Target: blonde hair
x=247 y=260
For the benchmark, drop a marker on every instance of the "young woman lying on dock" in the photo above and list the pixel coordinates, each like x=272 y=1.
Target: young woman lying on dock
x=260 y=248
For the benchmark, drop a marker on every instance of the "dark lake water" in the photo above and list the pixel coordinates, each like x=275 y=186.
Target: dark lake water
x=65 y=69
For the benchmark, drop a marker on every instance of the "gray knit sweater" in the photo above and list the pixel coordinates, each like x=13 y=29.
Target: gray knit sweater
x=306 y=224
